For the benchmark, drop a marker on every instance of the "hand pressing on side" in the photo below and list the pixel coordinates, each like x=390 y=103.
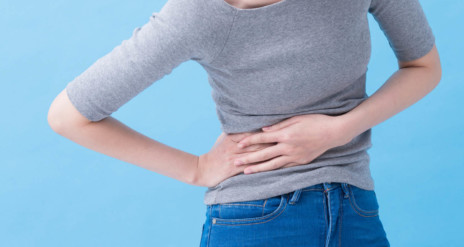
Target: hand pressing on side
x=300 y=139
x=217 y=165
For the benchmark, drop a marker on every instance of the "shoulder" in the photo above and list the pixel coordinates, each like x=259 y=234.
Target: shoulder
x=202 y=14
x=205 y=23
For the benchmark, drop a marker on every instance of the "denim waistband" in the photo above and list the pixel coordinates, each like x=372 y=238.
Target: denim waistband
x=325 y=187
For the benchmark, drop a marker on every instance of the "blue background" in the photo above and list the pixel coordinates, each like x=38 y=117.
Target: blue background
x=54 y=192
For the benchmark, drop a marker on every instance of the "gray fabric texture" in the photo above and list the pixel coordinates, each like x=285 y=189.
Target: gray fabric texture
x=264 y=65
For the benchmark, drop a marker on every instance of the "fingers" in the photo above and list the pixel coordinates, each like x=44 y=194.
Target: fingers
x=273 y=164
x=251 y=148
x=262 y=137
x=233 y=139
x=236 y=137
x=261 y=155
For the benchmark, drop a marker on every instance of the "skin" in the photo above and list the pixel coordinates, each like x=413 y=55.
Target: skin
x=250 y=4
x=294 y=141
x=302 y=138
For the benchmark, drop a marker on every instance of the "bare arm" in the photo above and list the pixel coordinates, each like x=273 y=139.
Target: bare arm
x=411 y=82
x=111 y=137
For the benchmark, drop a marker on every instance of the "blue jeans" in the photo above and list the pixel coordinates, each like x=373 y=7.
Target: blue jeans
x=322 y=215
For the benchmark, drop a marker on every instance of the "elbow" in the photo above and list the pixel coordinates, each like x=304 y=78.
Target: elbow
x=435 y=72
x=53 y=120
x=56 y=119
x=434 y=66
x=438 y=73
x=434 y=75
x=62 y=115
x=430 y=63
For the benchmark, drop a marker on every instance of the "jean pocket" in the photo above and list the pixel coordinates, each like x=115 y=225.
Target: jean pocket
x=249 y=212
x=364 y=202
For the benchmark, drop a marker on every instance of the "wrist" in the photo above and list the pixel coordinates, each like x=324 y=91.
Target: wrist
x=347 y=127
x=197 y=178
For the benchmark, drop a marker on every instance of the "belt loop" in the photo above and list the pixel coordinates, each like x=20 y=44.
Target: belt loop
x=326 y=186
x=295 y=196
x=345 y=189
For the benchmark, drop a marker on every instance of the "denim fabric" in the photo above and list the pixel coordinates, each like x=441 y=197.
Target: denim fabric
x=322 y=215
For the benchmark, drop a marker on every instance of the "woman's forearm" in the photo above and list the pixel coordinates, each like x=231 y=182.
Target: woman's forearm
x=111 y=137
x=405 y=87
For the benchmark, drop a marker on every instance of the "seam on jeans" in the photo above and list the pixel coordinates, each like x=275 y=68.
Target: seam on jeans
x=325 y=213
x=235 y=221
x=238 y=204
x=342 y=203
x=264 y=205
x=356 y=209
x=271 y=218
x=313 y=190
x=360 y=209
x=329 y=210
x=210 y=226
x=235 y=204
x=281 y=204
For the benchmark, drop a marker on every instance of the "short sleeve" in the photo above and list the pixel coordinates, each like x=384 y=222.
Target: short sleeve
x=169 y=38
x=406 y=27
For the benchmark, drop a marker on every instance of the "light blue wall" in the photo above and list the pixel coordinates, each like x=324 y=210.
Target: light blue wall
x=54 y=192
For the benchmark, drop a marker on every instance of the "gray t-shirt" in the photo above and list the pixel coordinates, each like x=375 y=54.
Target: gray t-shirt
x=264 y=65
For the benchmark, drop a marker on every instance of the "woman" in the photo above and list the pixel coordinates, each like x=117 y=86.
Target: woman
x=298 y=66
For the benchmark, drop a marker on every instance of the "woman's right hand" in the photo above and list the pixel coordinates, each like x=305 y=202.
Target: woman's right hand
x=217 y=165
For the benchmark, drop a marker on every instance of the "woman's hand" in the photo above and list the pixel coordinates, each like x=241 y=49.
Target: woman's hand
x=300 y=139
x=217 y=165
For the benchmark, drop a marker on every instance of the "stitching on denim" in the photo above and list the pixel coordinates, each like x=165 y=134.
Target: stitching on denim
x=281 y=211
x=264 y=205
x=238 y=204
x=342 y=203
x=210 y=226
x=257 y=218
x=351 y=198
x=360 y=209
x=312 y=190
x=295 y=196
x=329 y=230
x=325 y=209
x=283 y=201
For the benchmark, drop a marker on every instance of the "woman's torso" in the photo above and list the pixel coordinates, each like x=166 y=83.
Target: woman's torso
x=289 y=58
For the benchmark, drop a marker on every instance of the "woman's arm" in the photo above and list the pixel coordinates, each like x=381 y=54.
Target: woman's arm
x=177 y=33
x=410 y=35
x=300 y=139
x=111 y=137
x=411 y=82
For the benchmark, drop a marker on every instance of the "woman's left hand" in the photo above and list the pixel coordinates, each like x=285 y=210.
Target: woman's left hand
x=299 y=140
